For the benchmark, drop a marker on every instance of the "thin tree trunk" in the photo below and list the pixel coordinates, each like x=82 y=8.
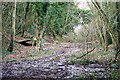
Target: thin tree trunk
x=105 y=38
x=40 y=34
x=105 y=19
x=10 y=48
x=100 y=31
x=26 y=11
x=101 y=35
x=118 y=32
x=66 y=19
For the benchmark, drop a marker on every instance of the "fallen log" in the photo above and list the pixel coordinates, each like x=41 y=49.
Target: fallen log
x=23 y=41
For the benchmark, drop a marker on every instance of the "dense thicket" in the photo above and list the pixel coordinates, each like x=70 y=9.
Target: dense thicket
x=107 y=22
x=39 y=19
x=43 y=18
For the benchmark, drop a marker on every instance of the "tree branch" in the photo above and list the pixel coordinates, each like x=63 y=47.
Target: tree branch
x=86 y=53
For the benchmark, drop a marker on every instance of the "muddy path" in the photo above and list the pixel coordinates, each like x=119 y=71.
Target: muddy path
x=54 y=66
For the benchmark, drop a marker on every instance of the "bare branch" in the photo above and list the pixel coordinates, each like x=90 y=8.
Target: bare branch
x=86 y=53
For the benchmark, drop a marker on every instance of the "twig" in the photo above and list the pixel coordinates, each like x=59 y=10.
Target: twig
x=86 y=53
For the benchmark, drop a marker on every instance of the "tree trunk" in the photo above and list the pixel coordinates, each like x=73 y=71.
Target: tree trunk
x=40 y=34
x=10 y=48
x=99 y=29
x=66 y=20
x=106 y=21
x=118 y=32
x=105 y=39
x=26 y=11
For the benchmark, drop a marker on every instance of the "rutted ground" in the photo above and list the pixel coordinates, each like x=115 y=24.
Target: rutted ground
x=55 y=66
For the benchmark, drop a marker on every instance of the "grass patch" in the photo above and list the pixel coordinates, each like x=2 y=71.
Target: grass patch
x=29 y=55
x=5 y=53
x=34 y=54
x=114 y=74
x=95 y=57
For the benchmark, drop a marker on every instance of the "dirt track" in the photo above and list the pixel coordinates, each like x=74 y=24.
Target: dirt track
x=49 y=68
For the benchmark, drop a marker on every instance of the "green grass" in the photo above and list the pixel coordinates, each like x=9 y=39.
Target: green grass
x=95 y=57
x=115 y=74
x=34 y=54
x=29 y=55
x=5 y=53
